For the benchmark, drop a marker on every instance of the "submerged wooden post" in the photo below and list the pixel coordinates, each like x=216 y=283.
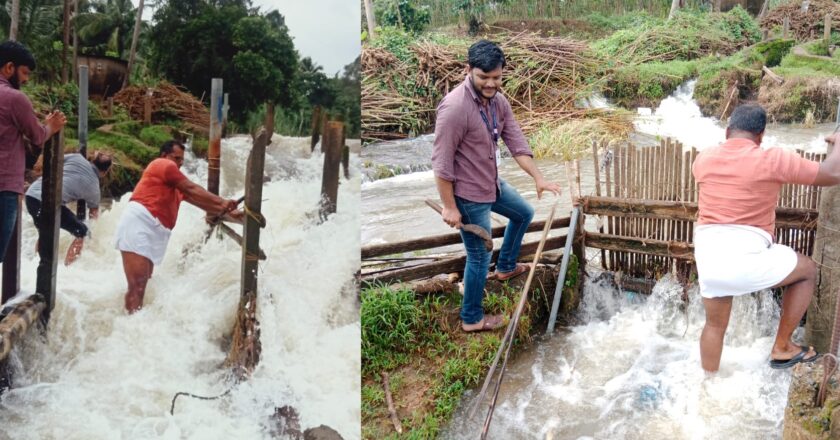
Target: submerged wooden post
x=147 y=108
x=316 y=126
x=245 y=348
x=83 y=127
x=50 y=221
x=214 y=152
x=11 y=261
x=331 y=146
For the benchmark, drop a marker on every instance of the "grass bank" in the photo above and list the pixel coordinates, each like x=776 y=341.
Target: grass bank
x=418 y=341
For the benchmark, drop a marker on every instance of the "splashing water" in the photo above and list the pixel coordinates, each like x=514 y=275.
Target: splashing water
x=632 y=371
x=101 y=374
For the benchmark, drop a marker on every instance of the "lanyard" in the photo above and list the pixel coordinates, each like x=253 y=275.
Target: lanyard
x=494 y=132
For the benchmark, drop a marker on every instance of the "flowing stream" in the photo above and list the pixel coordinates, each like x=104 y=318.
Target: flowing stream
x=631 y=368
x=102 y=374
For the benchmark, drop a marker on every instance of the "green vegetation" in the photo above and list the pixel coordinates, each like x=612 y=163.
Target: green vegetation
x=774 y=50
x=690 y=35
x=717 y=78
x=645 y=85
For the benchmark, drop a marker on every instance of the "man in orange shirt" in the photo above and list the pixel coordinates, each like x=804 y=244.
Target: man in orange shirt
x=733 y=242
x=146 y=224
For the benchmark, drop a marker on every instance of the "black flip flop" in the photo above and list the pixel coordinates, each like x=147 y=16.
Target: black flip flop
x=787 y=363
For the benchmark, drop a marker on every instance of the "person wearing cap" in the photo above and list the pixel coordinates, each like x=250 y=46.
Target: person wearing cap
x=17 y=122
x=146 y=224
x=734 y=240
x=80 y=181
x=470 y=121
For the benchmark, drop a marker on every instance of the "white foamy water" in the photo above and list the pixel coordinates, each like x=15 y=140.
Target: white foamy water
x=678 y=116
x=101 y=374
x=632 y=371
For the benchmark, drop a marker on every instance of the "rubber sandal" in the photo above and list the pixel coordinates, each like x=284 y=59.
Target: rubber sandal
x=489 y=322
x=518 y=270
x=800 y=357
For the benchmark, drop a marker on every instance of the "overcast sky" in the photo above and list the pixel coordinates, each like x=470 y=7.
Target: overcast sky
x=327 y=31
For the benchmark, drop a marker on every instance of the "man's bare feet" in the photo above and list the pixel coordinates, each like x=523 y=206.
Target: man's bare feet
x=74 y=251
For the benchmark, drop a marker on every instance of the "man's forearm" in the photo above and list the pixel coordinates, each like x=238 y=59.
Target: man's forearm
x=529 y=166
x=446 y=192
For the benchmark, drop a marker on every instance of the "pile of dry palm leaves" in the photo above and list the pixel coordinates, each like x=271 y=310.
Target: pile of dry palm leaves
x=803 y=24
x=168 y=101
x=543 y=79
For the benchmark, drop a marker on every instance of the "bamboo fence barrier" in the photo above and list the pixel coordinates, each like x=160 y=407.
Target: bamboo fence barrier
x=663 y=173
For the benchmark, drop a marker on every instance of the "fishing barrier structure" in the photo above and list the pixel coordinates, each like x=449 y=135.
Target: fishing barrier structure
x=650 y=206
x=645 y=199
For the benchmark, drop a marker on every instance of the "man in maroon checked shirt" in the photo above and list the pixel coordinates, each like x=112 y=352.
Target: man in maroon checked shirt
x=17 y=120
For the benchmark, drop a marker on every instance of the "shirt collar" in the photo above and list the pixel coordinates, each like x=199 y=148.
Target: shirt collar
x=4 y=81
x=739 y=143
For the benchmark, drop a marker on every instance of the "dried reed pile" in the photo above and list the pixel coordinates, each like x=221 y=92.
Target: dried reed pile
x=543 y=79
x=803 y=25
x=168 y=101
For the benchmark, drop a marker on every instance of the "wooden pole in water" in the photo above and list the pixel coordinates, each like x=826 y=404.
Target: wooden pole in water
x=316 y=126
x=50 y=221
x=83 y=127
x=246 y=347
x=214 y=153
x=225 y=108
x=331 y=145
x=11 y=261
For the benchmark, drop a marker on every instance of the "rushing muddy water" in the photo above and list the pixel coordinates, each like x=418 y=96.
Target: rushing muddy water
x=631 y=368
x=101 y=374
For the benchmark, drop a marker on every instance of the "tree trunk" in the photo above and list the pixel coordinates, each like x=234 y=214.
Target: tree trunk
x=675 y=4
x=13 y=28
x=371 y=19
x=75 y=70
x=137 y=22
x=66 y=41
x=716 y=7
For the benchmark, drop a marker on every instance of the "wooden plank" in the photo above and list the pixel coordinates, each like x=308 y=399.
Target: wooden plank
x=455 y=264
x=447 y=239
x=50 y=221
x=636 y=208
x=670 y=249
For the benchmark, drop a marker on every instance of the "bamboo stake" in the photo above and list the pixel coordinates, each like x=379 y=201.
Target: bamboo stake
x=511 y=328
x=510 y=332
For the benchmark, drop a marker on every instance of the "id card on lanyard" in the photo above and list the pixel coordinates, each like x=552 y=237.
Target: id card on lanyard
x=494 y=131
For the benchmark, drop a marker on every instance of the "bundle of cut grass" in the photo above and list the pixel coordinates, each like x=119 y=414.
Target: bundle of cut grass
x=573 y=139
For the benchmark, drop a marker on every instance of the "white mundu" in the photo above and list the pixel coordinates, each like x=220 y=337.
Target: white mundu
x=738 y=259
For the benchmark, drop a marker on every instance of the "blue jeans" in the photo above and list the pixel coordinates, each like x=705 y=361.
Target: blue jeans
x=508 y=204
x=8 y=217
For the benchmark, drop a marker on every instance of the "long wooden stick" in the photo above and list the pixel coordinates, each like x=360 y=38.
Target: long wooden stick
x=512 y=330
x=523 y=298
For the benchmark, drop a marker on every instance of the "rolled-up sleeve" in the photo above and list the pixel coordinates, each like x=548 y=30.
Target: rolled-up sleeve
x=26 y=121
x=449 y=131
x=512 y=132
